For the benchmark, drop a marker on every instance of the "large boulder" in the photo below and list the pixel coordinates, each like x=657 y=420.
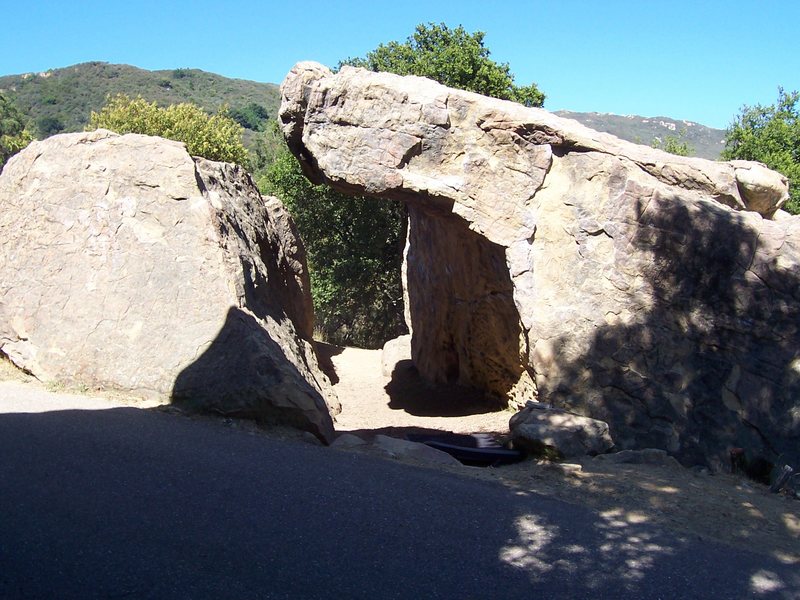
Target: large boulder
x=395 y=352
x=127 y=264
x=557 y=433
x=547 y=260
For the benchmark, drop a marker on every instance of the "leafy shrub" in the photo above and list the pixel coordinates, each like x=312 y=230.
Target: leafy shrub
x=452 y=57
x=674 y=144
x=47 y=126
x=251 y=116
x=14 y=135
x=771 y=135
x=216 y=137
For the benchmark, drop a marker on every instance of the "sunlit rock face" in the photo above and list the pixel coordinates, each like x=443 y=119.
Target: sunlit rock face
x=127 y=264
x=546 y=260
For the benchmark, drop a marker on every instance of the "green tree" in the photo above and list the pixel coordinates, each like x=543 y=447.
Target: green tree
x=14 y=135
x=251 y=116
x=452 y=57
x=771 y=135
x=216 y=137
x=354 y=247
x=355 y=244
x=47 y=126
x=268 y=146
x=674 y=144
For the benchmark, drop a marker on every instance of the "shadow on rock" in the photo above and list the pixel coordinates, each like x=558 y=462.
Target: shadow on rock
x=713 y=361
x=246 y=373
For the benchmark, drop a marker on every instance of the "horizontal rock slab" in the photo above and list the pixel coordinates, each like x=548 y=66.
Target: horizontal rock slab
x=127 y=264
x=547 y=260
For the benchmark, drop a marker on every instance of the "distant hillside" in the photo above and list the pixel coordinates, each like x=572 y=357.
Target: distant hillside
x=706 y=141
x=62 y=99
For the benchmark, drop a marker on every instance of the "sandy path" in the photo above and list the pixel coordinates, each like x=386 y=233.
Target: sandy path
x=367 y=404
x=22 y=394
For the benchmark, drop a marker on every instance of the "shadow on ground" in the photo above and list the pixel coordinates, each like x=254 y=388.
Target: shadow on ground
x=408 y=391
x=325 y=352
x=144 y=504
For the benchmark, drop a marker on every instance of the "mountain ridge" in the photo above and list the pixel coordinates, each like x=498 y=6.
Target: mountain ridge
x=707 y=142
x=62 y=99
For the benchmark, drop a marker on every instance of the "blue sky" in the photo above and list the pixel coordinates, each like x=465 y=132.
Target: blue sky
x=698 y=60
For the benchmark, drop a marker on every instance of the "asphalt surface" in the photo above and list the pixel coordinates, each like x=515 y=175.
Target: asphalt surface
x=128 y=503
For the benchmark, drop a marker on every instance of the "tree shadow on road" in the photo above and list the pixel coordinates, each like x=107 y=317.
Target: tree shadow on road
x=125 y=501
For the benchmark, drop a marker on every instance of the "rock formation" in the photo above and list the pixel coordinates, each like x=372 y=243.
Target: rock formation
x=546 y=260
x=127 y=264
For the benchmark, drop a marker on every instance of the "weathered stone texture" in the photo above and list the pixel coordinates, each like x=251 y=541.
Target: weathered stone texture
x=127 y=264
x=549 y=260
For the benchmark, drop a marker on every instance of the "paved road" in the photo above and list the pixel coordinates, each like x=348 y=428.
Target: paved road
x=126 y=503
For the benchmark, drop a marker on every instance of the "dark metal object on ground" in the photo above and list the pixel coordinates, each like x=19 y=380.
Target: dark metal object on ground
x=785 y=475
x=478 y=450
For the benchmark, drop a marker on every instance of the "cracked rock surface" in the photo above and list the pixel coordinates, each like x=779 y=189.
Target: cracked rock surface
x=549 y=261
x=127 y=264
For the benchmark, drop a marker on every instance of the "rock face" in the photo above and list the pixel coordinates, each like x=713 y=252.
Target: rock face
x=546 y=260
x=127 y=264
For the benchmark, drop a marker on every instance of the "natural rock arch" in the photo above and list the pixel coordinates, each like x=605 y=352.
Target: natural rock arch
x=649 y=290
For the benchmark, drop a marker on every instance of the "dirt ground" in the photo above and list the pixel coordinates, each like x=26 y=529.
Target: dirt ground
x=718 y=507
x=721 y=507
